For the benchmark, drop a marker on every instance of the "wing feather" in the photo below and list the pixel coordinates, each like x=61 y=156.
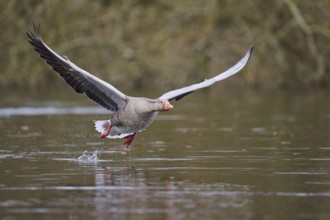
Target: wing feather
x=80 y=80
x=180 y=93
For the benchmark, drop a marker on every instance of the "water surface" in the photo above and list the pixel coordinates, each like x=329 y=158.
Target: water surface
x=217 y=155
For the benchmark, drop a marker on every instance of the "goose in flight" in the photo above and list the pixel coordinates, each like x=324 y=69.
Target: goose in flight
x=128 y=114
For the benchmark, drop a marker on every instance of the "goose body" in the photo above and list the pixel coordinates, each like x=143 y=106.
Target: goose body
x=128 y=114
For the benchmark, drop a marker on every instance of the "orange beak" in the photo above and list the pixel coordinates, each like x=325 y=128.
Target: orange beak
x=167 y=106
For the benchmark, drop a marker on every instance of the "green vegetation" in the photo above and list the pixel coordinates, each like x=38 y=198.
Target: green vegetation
x=160 y=43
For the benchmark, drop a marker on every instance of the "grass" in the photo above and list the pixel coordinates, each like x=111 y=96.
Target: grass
x=161 y=44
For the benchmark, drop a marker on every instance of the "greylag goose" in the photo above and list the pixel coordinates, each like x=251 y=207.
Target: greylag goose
x=128 y=114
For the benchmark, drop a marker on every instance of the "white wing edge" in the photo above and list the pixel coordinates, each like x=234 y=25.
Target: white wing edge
x=84 y=72
x=208 y=82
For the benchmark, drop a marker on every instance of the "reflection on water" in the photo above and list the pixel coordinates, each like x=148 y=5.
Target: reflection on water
x=168 y=199
x=244 y=155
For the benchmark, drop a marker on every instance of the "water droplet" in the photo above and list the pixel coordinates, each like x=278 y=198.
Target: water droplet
x=86 y=157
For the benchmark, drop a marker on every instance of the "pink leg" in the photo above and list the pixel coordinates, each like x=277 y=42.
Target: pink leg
x=106 y=132
x=128 y=140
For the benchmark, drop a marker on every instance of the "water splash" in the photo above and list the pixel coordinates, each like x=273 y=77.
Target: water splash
x=88 y=158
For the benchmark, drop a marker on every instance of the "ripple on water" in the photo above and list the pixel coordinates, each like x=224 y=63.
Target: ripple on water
x=50 y=110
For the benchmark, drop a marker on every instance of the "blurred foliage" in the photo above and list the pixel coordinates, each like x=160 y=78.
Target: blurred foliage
x=166 y=44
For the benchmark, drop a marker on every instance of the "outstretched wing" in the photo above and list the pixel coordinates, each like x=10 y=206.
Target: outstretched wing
x=80 y=80
x=180 y=93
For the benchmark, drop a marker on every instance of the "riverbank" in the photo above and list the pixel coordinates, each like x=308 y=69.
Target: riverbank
x=161 y=44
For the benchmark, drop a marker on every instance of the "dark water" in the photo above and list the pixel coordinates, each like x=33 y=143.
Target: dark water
x=217 y=155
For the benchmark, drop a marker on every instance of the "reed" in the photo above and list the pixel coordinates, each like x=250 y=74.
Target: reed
x=160 y=43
